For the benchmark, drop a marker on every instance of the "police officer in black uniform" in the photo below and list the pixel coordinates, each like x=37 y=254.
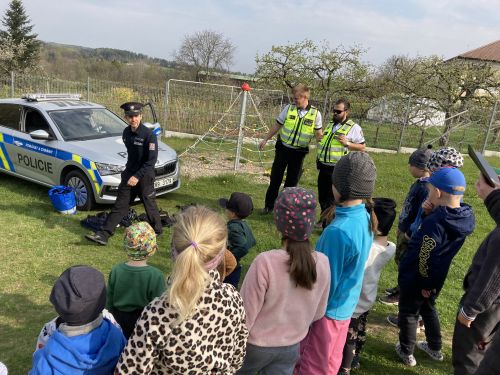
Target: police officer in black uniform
x=138 y=177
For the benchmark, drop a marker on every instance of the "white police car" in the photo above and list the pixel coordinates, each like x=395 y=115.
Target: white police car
x=55 y=139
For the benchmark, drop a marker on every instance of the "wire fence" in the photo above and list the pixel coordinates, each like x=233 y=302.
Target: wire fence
x=393 y=122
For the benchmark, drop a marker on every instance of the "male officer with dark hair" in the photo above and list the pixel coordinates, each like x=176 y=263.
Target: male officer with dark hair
x=138 y=176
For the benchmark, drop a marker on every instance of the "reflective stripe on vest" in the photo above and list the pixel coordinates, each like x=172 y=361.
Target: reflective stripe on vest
x=297 y=131
x=330 y=150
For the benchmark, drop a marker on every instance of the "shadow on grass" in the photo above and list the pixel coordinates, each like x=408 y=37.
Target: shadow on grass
x=21 y=322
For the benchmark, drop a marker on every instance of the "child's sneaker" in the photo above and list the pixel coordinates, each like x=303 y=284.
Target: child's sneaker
x=436 y=355
x=390 y=291
x=408 y=359
x=392 y=320
x=391 y=299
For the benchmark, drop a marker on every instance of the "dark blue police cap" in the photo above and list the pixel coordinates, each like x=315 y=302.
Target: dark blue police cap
x=132 y=108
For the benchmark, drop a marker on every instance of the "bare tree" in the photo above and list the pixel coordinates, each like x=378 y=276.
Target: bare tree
x=206 y=50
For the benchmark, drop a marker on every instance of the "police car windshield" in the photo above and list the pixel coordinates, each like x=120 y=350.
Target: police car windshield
x=87 y=123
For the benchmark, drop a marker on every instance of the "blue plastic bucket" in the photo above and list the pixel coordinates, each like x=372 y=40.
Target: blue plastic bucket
x=63 y=199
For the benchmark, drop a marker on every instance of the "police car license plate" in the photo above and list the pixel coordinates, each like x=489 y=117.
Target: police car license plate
x=165 y=181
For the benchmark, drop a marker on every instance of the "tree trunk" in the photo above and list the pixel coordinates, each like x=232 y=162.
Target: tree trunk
x=445 y=136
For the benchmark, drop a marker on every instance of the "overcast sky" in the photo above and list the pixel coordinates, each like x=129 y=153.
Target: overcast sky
x=383 y=27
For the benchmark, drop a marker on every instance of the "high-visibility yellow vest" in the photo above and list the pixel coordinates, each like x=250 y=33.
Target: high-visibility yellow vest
x=330 y=150
x=296 y=131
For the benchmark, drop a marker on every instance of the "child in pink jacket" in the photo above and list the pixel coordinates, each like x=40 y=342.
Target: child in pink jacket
x=285 y=290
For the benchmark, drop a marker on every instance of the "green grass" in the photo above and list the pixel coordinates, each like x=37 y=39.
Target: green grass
x=38 y=244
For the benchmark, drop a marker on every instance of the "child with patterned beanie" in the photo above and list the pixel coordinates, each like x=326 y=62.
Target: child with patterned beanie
x=85 y=342
x=425 y=264
x=286 y=289
x=132 y=285
x=346 y=241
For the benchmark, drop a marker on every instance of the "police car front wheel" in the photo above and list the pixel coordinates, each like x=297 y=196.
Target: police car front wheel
x=83 y=190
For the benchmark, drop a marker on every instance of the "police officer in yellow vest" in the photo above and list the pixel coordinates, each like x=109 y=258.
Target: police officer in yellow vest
x=297 y=125
x=340 y=136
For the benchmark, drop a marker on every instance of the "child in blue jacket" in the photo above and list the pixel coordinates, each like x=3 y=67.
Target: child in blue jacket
x=346 y=241
x=85 y=342
x=425 y=264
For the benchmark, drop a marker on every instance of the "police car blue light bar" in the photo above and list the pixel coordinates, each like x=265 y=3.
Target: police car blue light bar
x=45 y=97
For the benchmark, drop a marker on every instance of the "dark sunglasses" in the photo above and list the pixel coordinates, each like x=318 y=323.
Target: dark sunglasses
x=338 y=111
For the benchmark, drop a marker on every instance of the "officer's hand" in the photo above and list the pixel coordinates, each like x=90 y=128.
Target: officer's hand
x=342 y=139
x=132 y=181
x=482 y=187
x=462 y=320
x=262 y=144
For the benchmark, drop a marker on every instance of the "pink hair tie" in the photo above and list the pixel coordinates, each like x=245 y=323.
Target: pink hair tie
x=194 y=244
x=212 y=264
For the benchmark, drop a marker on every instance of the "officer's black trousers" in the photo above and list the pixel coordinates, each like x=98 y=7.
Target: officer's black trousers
x=285 y=159
x=126 y=195
x=325 y=193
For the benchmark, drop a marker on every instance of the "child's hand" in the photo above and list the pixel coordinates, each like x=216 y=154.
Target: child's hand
x=463 y=320
x=427 y=207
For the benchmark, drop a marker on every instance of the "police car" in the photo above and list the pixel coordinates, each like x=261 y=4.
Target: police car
x=55 y=139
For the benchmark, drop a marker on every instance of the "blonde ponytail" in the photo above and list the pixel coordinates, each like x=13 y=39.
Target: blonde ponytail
x=199 y=236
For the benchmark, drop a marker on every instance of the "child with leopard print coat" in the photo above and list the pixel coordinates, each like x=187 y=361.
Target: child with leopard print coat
x=198 y=325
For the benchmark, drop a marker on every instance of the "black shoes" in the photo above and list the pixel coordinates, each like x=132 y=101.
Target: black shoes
x=97 y=237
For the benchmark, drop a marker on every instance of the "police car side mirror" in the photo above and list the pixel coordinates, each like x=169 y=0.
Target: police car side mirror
x=41 y=135
x=156 y=128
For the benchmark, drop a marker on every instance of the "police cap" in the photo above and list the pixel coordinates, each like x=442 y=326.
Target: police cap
x=132 y=108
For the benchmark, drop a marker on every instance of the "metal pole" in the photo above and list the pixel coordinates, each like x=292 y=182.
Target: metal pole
x=12 y=84
x=405 y=123
x=490 y=124
x=167 y=93
x=88 y=88
x=240 y=133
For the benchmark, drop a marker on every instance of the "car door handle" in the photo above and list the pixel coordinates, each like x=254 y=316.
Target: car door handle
x=17 y=143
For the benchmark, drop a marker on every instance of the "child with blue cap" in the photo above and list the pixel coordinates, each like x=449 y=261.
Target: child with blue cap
x=425 y=264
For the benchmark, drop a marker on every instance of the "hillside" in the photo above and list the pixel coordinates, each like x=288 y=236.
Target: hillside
x=76 y=63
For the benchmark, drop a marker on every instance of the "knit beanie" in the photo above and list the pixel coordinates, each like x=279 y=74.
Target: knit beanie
x=354 y=176
x=445 y=157
x=79 y=295
x=419 y=158
x=385 y=210
x=140 y=241
x=295 y=213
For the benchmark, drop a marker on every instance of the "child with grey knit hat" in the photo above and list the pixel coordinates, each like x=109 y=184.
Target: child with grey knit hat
x=346 y=241
x=85 y=341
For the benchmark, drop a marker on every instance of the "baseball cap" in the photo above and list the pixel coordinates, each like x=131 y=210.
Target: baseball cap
x=449 y=180
x=239 y=203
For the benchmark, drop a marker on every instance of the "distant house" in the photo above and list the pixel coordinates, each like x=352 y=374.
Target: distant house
x=393 y=110
x=489 y=53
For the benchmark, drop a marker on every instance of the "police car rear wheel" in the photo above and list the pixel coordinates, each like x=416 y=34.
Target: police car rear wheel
x=83 y=190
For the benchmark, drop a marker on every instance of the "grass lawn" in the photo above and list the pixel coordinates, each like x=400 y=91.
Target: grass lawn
x=38 y=244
